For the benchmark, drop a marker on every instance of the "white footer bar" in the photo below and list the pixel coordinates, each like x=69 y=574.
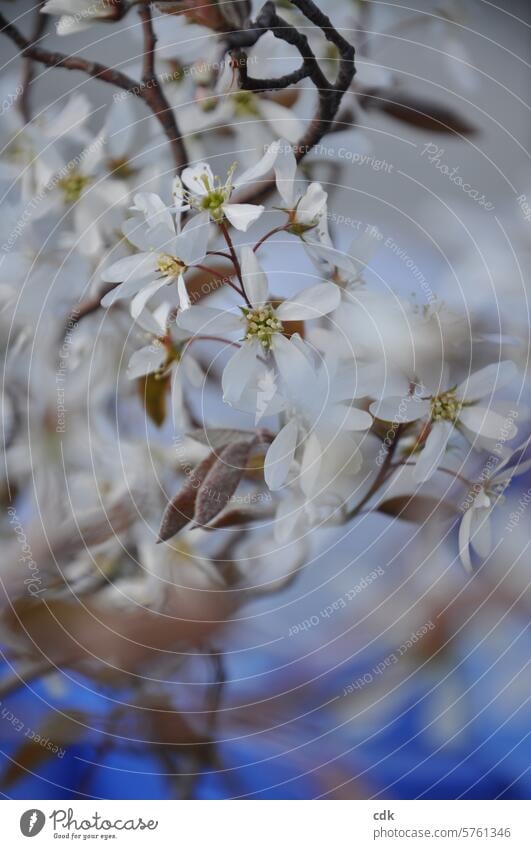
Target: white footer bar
x=268 y=824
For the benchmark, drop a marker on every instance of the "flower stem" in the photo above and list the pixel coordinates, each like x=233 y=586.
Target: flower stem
x=280 y=229
x=223 y=277
x=235 y=260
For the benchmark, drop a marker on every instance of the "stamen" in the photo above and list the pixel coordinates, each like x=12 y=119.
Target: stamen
x=262 y=324
x=445 y=407
x=72 y=186
x=170 y=266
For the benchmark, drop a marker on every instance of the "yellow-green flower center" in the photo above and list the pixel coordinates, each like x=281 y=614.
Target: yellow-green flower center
x=121 y=168
x=17 y=151
x=170 y=266
x=216 y=194
x=208 y=104
x=245 y=103
x=445 y=407
x=262 y=324
x=212 y=203
x=72 y=186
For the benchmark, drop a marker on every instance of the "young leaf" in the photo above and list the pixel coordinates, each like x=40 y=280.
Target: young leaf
x=417 y=112
x=222 y=480
x=181 y=508
x=153 y=391
x=416 y=508
x=217 y=437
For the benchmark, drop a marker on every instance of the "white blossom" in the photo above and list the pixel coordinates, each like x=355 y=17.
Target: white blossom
x=456 y=407
x=475 y=529
x=259 y=324
x=319 y=406
x=202 y=191
x=163 y=256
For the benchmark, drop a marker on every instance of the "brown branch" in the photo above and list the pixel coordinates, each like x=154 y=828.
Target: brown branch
x=153 y=93
x=54 y=59
x=269 y=20
x=385 y=470
x=28 y=67
x=330 y=94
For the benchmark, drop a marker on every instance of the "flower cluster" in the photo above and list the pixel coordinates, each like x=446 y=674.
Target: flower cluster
x=180 y=338
x=300 y=364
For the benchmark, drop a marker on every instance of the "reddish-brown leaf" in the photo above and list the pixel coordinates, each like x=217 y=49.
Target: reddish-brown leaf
x=153 y=390
x=181 y=508
x=416 y=508
x=222 y=480
x=235 y=518
x=216 y=438
x=417 y=112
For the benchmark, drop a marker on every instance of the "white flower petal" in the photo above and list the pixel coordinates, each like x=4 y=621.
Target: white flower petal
x=209 y=321
x=177 y=193
x=193 y=371
x=354 y=419
x=262 y=167
x=184 y=298
x=289 y=517
x=280 y=456
x=400 y=410
x=197 y=178
x=191 y=244
x=148 y=321
x=130 y=268
x=146 y=361
x=125 y=290
x=486 y=422
x=310 y=464
x=74 y=114
x=282 y=119
x=481 y=531
x=312 y=204
x=362 y=248
x=433 y=451
x=285 y=173
x=162 y=315
x=484 y=381
x=146 y=238
x=154 y=210
x=242 y=215
x=296 y=372
x=464 y=540
x=239 y=372
x=121 y=128
x=254 y=279
x=333 y=256
x=140 y=300
x=310 y=303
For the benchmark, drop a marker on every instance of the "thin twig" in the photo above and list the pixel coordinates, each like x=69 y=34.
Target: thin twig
x=235 y=260
x=28 y=65
x=280 y=229
x=385 y=470
x=153 y=93
x=222 y=277
x=55 y=59
x=329 y=94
